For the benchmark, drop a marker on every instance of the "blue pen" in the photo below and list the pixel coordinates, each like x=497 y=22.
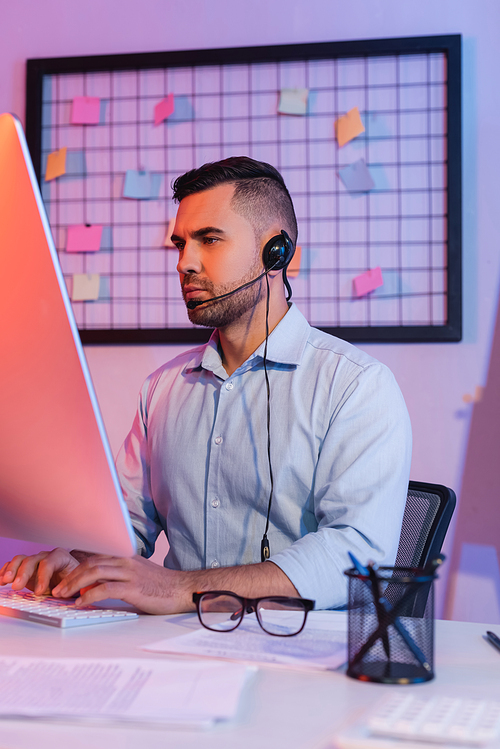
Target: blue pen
x=401 y=629
x=494 y=639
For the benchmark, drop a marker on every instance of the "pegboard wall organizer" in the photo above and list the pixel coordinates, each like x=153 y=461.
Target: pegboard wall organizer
x=379 y=216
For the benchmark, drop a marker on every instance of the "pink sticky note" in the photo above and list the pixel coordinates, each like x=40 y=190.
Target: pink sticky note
x=82 y=238
x=164 y=109
x=368 y=281
x=85 y=110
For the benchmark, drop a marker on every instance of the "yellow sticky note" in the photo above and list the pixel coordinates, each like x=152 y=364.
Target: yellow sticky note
x=56 y=164
x=85 y=287
x=348 y=126
x=293 y=269
x=168 y=242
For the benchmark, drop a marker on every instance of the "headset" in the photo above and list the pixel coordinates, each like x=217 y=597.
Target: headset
x=276 y=255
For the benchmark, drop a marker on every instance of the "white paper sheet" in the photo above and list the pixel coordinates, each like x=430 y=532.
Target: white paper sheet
x=320 y=646
x=165 y=692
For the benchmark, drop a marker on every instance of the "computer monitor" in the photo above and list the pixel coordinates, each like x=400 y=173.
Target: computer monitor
x=58 y=483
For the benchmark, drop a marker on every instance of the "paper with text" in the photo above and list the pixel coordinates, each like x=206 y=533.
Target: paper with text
x=155 y=691
x=319 y=646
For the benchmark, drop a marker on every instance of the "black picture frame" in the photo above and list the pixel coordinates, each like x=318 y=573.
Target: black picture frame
x=449 y=45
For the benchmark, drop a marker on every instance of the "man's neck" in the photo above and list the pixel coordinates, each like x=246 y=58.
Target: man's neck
x=240 y=339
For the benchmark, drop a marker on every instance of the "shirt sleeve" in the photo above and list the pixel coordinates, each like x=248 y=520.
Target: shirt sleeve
x=132 y=465
x=359 y=491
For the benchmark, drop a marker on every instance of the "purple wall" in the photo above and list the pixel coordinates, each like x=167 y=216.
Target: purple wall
x=434 y=378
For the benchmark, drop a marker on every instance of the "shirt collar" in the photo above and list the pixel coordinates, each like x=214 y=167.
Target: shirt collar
x=288 y=339
x=285 y=346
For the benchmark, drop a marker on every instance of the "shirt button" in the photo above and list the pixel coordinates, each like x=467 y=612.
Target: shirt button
x=214 y=564
x=215 y=502
x=229 y=385
x=218 y=440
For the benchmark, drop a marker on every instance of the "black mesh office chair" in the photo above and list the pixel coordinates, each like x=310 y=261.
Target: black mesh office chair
x=429 y=508
x=427 y=515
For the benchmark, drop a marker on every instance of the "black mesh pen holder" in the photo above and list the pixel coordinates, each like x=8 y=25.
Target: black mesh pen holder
x=391 y=625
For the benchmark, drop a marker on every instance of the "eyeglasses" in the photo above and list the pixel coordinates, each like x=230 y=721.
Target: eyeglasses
x=223 y=611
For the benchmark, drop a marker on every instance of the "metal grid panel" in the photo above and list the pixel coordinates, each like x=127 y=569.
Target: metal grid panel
x=230 y=108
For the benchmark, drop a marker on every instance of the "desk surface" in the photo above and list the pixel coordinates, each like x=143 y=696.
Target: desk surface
x=279 y=708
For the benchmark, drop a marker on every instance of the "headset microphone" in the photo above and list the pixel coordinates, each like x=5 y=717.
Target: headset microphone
x=196 y=302
x=276 y=255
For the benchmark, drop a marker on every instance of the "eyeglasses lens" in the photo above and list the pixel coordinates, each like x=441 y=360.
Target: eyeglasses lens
x=281 y=616
x=220 y=612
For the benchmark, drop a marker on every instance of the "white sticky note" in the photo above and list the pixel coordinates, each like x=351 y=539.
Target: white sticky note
x=293 y=101
x=85 y=287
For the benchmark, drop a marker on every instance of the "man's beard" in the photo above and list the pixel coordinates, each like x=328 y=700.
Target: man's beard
x=223 y=312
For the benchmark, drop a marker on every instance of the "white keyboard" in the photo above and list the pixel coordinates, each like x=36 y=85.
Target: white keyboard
x=460 y=722
x=57 y=612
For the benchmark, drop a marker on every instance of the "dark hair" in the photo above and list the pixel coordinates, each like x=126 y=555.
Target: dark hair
x=260 y=193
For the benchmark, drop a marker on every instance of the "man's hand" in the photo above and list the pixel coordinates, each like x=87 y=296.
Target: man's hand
x=157 y=590
x=144 y=584
x=40 y=573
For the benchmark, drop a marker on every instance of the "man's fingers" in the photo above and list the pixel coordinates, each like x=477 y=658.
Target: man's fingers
x=53 y=563
x=103 y=590
x=37 y=571
x=89 y=573
x=26 y=570
x=9 y=569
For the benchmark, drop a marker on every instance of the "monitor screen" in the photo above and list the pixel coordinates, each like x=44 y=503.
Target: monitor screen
x=58 y=483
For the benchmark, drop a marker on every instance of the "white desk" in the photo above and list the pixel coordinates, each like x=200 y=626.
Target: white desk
x=281 y=709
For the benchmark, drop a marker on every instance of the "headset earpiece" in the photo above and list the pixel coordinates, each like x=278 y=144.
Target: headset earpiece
x=278 y=252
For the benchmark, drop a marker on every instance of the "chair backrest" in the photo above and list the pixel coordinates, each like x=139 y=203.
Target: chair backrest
x=428 y=511
x=426 y=518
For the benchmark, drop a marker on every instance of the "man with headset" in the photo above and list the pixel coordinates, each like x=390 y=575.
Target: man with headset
x=265 y=455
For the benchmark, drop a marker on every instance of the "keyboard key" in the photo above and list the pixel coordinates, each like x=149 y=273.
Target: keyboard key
x=57 y=612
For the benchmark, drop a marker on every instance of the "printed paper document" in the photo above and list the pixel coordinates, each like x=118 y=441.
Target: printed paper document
x=165 y=692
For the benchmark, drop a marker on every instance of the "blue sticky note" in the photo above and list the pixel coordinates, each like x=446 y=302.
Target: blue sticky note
x=104 y=288
x=184 y=111
x=137 y=185
x=155 y=186
x=142 y=185
x=356 y=177
x=76 y=164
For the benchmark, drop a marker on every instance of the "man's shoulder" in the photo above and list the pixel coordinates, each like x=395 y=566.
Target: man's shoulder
x=321 y=344
x=185 y=361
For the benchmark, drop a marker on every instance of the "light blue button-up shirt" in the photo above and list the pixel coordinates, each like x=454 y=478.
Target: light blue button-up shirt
x=195 y=462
